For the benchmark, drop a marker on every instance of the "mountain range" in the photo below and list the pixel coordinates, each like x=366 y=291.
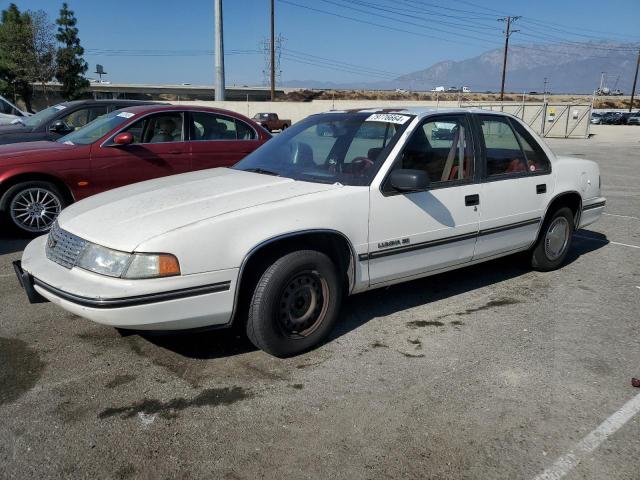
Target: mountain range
x=569 y=68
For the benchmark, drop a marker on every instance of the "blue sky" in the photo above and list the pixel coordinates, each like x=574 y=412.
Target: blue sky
x=170 y=41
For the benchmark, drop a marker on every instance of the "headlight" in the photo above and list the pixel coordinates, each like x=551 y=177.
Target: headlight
x=103 y=260
x=114 y=263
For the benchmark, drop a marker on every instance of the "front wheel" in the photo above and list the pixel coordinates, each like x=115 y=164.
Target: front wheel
x=295 y=303
x=32 y=207
x=553 y=244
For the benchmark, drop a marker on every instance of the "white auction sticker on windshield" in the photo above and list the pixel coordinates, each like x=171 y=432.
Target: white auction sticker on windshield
x=388 y=117
x=59 y=107
x=126 y=114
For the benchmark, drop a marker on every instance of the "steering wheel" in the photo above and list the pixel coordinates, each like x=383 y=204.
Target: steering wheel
x=360 y=165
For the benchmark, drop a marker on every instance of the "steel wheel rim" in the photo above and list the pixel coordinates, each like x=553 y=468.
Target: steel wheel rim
x=556 y=238
x=303 y=304
x=35 y=209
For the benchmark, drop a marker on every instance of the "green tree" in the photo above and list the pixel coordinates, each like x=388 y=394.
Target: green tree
x=70 y=65
x=16 y=41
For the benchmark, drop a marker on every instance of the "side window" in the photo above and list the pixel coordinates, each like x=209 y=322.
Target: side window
x=209 y=126
x=77 y=119
x=159 y=128
x=537 y=160
x=244 y=131
x=369 y=141
x=6 y=108
x=503 y=152
x=442 y=147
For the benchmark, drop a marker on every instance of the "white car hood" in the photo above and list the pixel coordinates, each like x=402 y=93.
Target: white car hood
x=125 y=217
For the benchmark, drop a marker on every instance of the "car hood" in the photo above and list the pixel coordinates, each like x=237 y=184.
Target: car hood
x=125 y=217
x=34 y=150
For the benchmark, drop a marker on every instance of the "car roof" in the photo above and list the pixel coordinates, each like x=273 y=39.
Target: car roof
x=114 y=101
x=159 y=107
x=418 y=111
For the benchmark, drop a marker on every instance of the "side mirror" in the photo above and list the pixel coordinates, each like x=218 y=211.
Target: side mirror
x=407 y=180
x=59 y=127
x=124 y=138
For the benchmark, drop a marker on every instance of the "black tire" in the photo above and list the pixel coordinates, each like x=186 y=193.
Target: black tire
x=304 y=282
x=46 y=197
x=551 y=250
x=284 y=127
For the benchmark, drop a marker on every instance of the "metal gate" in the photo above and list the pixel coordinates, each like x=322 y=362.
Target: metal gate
x=554 y=120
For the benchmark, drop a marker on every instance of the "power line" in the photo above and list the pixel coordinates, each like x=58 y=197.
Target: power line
x=388 y=27
x=379 y=15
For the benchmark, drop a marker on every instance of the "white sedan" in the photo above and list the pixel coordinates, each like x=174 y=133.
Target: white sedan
x=340 y=203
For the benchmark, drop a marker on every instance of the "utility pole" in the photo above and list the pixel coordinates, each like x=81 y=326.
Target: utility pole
x=635 y=80
x=544 y=92
x=507 y=34
x=273 y=52
x=219 y=45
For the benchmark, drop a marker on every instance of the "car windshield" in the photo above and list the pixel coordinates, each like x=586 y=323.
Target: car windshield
x=96 y=129
x=346 y=148
x=42 y=116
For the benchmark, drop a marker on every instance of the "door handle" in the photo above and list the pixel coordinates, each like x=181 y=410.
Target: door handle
x=542 y=188
x=174 y=152
x=471 y=200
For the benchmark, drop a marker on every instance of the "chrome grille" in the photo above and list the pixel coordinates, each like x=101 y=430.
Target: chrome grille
x=63 y=247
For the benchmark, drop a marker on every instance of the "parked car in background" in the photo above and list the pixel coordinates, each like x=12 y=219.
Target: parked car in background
x=9 y=112
x=634 y=119
x=596 y=118
x=271 y=122
x=612 y=118
x=38 y=179
x=59 y=120
x=314 y=214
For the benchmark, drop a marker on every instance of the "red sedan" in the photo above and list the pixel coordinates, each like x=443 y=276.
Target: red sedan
x=38 y=179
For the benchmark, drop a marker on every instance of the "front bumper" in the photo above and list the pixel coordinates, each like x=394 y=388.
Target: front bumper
x=173 y=303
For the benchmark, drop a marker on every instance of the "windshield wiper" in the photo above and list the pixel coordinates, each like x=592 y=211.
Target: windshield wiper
x=264 y=171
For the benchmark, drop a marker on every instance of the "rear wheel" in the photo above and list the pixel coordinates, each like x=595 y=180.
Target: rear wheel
x=32 y=207
x=295 y=303
x=284 y=127
x=553 y=245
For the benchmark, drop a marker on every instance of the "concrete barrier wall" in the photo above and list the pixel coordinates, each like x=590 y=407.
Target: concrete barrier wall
x=568 y=122
x=296 y=111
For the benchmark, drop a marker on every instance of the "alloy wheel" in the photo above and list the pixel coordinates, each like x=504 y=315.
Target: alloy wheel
x=35 y=209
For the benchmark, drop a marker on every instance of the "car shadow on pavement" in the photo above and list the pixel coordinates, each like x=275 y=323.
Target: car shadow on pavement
x=10 y=242
x=359 y=309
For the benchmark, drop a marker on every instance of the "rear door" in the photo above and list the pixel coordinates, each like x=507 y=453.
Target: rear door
x=219 y=140
x=158 y=149
x=516 y=186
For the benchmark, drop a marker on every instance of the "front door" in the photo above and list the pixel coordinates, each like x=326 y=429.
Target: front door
x=418 y=232
x=158 y=149
x=516 y=188
x=219 y=140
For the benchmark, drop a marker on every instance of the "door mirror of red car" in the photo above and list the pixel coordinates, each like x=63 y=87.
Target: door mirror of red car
x=124 y=138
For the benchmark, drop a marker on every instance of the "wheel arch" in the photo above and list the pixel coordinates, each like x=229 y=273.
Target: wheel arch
x=9 y=182
x=331 y=242
x=569 y=198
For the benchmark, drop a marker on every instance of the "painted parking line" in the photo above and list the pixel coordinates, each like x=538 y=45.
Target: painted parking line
x=606 y=241
x=588 y=444
x=621 y=216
